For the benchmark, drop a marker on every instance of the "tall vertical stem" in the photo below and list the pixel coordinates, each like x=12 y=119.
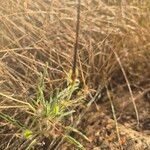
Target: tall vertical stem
x=76 y=42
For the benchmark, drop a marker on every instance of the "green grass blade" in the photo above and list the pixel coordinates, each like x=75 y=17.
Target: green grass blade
x=78 y=132
x=74 y=142
x=11 y=120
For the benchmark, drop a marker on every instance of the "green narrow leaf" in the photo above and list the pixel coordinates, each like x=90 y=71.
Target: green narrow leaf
x=11 y=120
x=67 y=113
x=56 y=109
x=74 y=142
x=78 y=132
x=47 y=108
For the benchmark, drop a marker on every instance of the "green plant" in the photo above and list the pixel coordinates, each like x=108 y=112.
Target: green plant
x=49 y=116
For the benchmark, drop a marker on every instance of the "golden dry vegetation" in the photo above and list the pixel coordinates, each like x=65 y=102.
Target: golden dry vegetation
x=38 y=36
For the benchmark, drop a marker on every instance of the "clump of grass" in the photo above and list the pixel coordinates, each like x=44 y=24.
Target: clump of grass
x=49 y=117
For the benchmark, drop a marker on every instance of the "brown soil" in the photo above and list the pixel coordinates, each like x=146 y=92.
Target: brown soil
x=99 y=126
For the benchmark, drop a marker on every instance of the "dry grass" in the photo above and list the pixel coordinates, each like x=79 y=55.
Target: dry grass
x=33 y=33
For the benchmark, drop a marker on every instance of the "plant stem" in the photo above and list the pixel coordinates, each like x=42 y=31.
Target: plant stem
x=76 y=42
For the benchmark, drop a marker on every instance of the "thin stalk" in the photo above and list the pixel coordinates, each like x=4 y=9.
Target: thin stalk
x=76 y=42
